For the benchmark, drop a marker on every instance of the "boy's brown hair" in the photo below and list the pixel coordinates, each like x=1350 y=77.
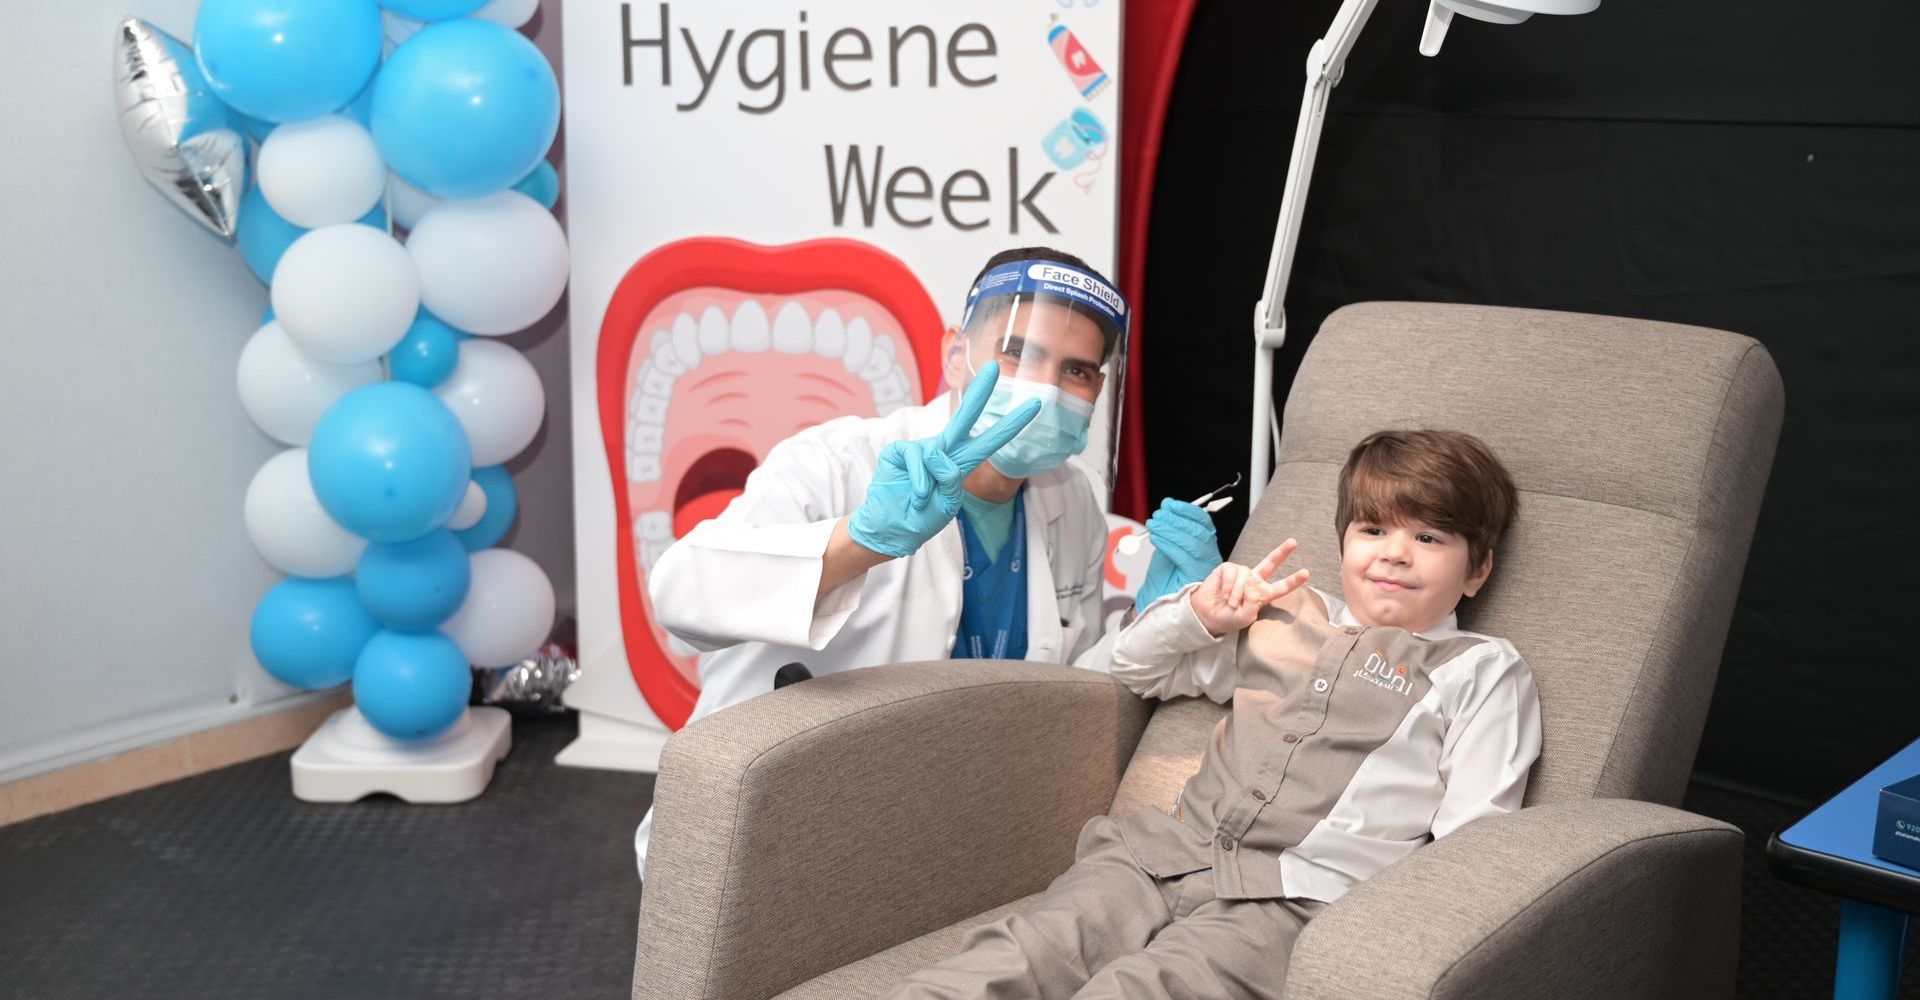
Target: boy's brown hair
x=1446 y=479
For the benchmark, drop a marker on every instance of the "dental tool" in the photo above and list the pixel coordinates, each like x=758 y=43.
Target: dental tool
x=1130 y=545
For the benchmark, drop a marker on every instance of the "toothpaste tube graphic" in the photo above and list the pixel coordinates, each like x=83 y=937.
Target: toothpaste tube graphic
x=1087 y=76
x=711 y=352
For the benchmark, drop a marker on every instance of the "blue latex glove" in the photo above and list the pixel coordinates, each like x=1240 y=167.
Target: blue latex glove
x=916 y=484
x=1185 y=550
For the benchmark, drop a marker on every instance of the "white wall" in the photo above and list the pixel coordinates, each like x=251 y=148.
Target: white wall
x=126 y=577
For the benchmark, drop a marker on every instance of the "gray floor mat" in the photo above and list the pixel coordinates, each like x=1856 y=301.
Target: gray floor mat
x=224 y=886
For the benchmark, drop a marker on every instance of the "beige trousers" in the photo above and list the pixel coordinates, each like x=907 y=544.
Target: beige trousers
x=1107 y=929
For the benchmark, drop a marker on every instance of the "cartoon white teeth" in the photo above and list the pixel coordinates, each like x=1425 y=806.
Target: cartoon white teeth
x=792 y=329
x=713 y=350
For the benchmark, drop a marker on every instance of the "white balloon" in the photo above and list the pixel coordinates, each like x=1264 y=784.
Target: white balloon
x=472 y=508
x=346 y=294
x=512 y=13
x=407 y=203
x=285 y=391
x=489 y=265
x=288 y=525
x=508 y=612
x=321 y=172
x=498 y=398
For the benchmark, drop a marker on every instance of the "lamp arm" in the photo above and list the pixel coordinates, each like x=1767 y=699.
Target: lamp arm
x=1326 y=61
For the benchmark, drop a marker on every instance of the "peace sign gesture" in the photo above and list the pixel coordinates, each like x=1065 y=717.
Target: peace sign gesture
x=968 y=452
x=916 y=484
x=1232 y=596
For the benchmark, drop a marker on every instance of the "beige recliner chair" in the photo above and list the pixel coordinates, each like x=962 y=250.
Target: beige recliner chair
x=825 y=840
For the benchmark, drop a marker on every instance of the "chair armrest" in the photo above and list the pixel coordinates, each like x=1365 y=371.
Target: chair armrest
x=1598 y=898
x=816 y=825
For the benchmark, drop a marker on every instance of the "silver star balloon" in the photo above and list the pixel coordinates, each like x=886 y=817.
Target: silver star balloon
x=534 y=685
x=186 y=142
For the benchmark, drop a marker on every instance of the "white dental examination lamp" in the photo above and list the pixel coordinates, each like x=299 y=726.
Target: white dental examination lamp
x=1325 y=63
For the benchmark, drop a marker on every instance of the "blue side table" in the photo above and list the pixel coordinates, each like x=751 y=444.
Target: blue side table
x=1831 y=849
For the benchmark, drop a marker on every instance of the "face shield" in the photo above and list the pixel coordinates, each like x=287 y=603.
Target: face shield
x=1059 y=335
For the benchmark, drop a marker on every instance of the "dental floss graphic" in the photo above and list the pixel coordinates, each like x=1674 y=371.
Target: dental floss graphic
x=1093 y=134
x=1064 y=146
x=1080 y=138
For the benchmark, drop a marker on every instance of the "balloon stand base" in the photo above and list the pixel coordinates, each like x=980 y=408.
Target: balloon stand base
x=346 y=759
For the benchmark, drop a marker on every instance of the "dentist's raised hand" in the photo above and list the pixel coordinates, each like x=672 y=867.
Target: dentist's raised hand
x=1232 y=596
x=916 y=484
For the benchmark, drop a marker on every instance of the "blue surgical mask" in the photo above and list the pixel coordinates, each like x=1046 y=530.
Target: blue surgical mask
x=1058 y=432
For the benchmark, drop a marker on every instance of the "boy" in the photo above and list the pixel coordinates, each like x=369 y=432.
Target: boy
x=1360 y=729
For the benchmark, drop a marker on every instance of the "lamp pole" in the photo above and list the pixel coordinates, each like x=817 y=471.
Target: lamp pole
x=1325 y=63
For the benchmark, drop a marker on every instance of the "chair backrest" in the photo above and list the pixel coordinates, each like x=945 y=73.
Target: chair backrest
x=1640 y=450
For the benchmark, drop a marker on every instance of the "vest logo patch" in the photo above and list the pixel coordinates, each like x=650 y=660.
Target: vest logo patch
x=1393 y=678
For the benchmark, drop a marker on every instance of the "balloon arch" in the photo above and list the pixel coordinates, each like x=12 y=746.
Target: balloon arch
x=399 y=208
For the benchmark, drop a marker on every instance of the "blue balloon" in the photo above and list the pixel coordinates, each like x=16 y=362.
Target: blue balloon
x=502 y=504
x=427 y=354
x=414 y=586
x=263 y=236
x=309 y=633
x=543 y=185
x=433 y=10
x=287 y=60
x=411 y=686
x=389 y=462
x=465 y=108
x=257 y=128
x=360 y=109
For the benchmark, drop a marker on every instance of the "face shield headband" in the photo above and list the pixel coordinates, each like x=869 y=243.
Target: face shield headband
x=1030 y=278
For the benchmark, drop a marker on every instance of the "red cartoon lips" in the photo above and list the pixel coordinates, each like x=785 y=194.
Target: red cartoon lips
x=711 y=352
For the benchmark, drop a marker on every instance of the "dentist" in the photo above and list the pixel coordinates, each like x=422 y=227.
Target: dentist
x=952 y=529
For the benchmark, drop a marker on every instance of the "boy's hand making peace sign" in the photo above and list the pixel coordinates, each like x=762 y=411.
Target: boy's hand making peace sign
x=1232 y=596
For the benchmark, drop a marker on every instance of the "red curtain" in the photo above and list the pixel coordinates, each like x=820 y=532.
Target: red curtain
x=1156 y=30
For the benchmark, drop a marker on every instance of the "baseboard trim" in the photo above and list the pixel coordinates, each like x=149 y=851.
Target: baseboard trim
x=181 y=757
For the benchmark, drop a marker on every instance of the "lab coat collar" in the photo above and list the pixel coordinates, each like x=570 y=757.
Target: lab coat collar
x=1340 y=615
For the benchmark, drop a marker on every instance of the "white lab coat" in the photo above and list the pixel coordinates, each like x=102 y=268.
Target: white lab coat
x=740 y=587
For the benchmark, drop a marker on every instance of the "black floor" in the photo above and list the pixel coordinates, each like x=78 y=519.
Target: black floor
x=224 y=886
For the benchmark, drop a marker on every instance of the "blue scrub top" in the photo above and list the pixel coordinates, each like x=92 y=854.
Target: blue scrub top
x=993 y=610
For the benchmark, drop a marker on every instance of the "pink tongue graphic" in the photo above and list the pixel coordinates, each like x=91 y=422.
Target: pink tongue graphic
x=717 y=377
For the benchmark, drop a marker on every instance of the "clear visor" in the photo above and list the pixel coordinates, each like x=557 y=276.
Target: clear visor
x=1057 y=327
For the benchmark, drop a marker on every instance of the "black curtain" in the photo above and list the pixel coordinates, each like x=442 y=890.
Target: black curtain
x=1750 y=165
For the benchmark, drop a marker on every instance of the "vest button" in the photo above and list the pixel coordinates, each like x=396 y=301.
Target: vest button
x=1259 y=796
x=1226 y=842
x=1320 y=685
x=1290 y=738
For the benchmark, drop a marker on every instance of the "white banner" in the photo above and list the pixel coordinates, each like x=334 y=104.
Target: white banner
x=775 y=211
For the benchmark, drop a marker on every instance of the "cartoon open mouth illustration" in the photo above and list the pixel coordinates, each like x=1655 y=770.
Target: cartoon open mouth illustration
x=711 y=352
